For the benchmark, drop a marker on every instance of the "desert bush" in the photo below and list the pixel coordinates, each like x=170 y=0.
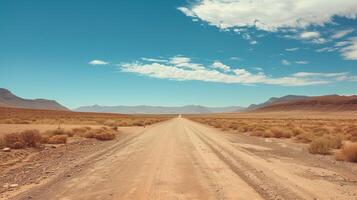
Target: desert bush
x=233 y=126
x=280 y=133
x=296 y=131
x=31 y=138
x=335 y=142
x=100 y=134
x=57 y=139
x=28 y=138
x=81 y=130
x=104 y=136
x=258 y=133
x=60 y=131
x=319 y=146
x=243 y=129
x=320 y=131
x=347 y=153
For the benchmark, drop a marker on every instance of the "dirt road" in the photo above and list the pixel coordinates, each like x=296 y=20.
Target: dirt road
x=181 y=159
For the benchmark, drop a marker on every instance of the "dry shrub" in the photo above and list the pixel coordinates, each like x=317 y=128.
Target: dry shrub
x=280 y=133
x=320 y=131
x=305 y=137
x=28 y=138
x=296 y=131
x=57 y=139
x=80 y=131
x=100 y=134
x=258 y=133
x=233 y=126
x=139 y=123
x=348 y=153
x=60 y=131
x=335 y=142
x=243 y=129
x=105 y=136
x=319 y=146
x=217 y=125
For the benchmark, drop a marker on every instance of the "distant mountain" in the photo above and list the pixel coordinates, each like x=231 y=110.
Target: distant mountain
x=318 y=103
x=274 y=100
x=7 y=99
x=189 y=109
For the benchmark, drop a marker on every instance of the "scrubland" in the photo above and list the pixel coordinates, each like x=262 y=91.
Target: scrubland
x=31 y=137
x=323 y=135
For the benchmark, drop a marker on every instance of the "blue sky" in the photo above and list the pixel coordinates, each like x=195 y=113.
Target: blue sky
x=210 y=52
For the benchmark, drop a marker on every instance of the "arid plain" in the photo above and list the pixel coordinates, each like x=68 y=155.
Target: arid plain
x=256 y=155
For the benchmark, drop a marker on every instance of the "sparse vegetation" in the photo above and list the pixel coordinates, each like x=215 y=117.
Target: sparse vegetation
x=348 y=153
x=322 y=135
x=28 y=138
x=57 y=139
x=319 y=146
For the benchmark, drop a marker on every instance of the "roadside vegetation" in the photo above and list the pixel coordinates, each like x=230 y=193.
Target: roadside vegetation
x=28 y=116
x=323 y=136
x=33 y=138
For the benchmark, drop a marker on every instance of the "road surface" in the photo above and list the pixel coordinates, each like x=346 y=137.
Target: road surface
x=182 y=159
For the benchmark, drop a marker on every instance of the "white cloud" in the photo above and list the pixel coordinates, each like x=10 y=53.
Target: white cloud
x=186 y=11
x=341 y=44
x=184 y=62
x=173 y=71
x=285 y=62
x=153 y=60
x=309 y=35
x=341 y=34
x=98 y=62
x=312 y=36
x=313 y=74
x=253 y=42
x=292 y=49
x=327 y=49
x=219 y=65
x=349 y=52
x=270 y=15
x=301 y=62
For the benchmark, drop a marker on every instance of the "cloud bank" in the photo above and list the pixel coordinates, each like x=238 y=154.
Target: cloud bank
x=270 y=15
x=182 y=68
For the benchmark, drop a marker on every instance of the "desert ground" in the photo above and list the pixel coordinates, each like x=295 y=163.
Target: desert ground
x=175 y=158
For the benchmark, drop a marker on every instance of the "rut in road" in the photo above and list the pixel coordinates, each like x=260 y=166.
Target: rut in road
x=181 y=159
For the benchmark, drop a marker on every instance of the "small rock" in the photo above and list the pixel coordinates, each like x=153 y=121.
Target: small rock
x=14 y=185
x=6 y=149
x=6 y=185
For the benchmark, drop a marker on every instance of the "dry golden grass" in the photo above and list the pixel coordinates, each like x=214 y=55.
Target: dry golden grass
x=323 y=134
x=319 y=146
x=100 y=134
x=57 y=139
x=28 y=138
x=348 y=153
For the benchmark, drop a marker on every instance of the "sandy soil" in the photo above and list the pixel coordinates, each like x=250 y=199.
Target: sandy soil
x=181 y=159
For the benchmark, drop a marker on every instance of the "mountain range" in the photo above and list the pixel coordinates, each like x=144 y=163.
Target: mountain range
x=143 y=109
x=285 y=103
x=7 y=99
